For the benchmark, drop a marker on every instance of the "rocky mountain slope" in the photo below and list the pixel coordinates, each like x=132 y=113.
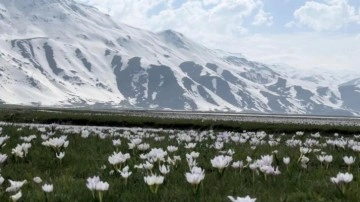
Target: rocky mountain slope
x=62 y=53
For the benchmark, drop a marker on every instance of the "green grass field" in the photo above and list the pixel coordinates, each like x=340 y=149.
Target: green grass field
x=87 y=157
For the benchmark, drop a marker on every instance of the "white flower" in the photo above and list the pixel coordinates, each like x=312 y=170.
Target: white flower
x=102 y=186
x=342 y=178
x=125 y=172
x=56 y=142
x=118 y=158
x=193 y=155
x=237 y=164
x=248 y=159
x=172 y=148
x=190 y=146
x=221 y=162
x=164 y=169
x=242 y=199
x=16 y=196
x=153 y=180
x=3 y=158
x=116 y=143
x=47 y=188
x=328 y=158
x=286 y=160
x=3 y=139
x=91 y=182
x=349 y=160
x=321 y=158
x=15 y=185
x=195 y=176
x=1 y=180
x=60 y=155
x=37 y=180
x=305 y=150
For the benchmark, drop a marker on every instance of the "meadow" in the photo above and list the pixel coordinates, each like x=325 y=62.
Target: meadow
x=87 y=163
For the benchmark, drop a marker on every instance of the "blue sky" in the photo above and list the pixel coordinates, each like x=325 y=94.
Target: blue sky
x=302 y=33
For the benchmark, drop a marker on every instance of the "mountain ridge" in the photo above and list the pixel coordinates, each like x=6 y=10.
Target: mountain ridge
x=74 y=55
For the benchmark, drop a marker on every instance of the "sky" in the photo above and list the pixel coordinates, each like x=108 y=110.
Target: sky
x=305 y=34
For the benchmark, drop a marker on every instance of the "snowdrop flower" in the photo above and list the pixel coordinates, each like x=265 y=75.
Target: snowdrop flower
x=47 y=188
x=154 y=181
x=37 y=180
x=242 y=199
x=221 y=162
x=195 y=176
x=349 y=160
x=16 y=196
x=164 y=169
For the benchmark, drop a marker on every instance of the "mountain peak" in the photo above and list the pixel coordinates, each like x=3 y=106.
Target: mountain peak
x=173 y=37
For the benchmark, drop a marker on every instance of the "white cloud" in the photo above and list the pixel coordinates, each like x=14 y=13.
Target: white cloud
x=263 y=18
x=328 y=15
x=302 y=51
x=197 y=18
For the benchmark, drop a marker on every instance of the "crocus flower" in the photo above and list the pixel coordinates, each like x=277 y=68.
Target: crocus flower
x=195 y=176
x=154 y=182
x=221 y=162
x=37 y=180
x=16 y=196
x=47 y=188
x=341 y=180
x=349 y=160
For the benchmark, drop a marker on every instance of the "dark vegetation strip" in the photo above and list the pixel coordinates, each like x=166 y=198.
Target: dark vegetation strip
x=91 y=118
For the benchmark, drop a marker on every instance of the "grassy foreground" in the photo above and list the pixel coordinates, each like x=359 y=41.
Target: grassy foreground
x=88 y=156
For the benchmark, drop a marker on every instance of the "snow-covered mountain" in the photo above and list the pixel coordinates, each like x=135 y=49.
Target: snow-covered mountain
x=62 y=53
